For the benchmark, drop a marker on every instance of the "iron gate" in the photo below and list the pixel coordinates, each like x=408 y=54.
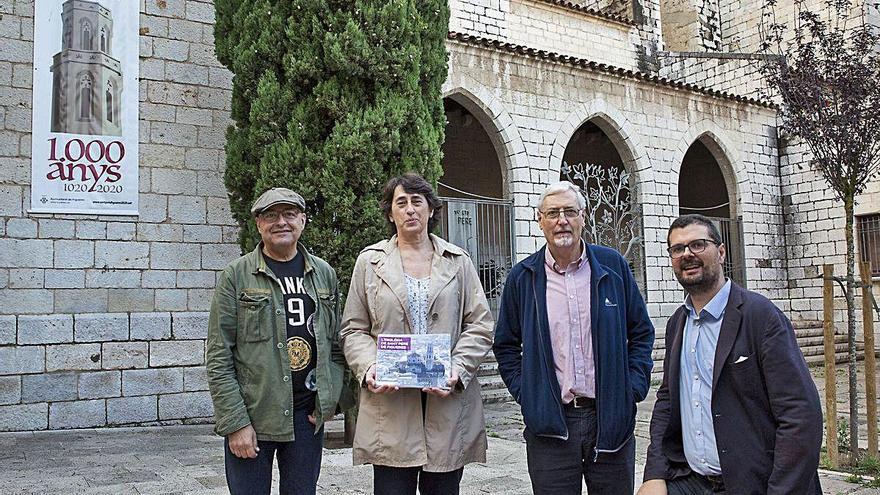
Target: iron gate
x=731 y=236
x=484 y=228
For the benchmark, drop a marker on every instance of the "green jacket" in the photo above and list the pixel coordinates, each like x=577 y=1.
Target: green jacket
x=247 y=361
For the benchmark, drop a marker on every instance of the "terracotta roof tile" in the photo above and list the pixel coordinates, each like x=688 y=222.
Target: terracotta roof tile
x=590 y=11
x=602 y=67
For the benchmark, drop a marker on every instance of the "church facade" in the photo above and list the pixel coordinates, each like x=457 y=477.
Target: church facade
x=103 y=320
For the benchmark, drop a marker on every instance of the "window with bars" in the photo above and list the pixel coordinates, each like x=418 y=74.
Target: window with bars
x=868 y=231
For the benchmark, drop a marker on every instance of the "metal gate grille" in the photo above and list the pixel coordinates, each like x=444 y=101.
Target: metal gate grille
x=484 y=228
x=868 y=230
x=731 y=236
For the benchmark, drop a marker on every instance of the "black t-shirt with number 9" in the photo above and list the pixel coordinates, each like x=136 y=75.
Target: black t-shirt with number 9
x=301 y=347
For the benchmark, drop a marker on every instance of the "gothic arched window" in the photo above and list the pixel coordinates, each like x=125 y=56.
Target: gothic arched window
x=103 y=40
x=86 y=42
x=66 y=29
x=84 y=91
x=108 y=101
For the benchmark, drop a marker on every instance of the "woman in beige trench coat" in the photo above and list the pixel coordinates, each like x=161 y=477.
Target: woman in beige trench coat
x=416 y=282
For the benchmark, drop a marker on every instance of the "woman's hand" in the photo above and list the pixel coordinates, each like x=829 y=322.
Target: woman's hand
x=451 y=382
x=374 y=387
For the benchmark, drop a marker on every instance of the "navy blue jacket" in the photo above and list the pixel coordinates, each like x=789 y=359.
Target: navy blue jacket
x=765 y=407
x=622 y=335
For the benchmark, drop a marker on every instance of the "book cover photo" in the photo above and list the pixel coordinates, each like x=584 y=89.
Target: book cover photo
x=414 y=360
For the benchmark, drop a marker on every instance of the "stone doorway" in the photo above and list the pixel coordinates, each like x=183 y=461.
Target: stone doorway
x=704 y=188
x=476 y=216
x=592 y=149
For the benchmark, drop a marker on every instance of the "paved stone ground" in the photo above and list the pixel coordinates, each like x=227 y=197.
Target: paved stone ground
x=188 y=460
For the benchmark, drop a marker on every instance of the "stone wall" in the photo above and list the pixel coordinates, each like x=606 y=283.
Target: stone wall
x=813 y=216
x=546 y=26
x=734 y=73
x=741 y=20
x=103 y=318
x=485 y=18
x=652 y=125
x=623 y=33
x=815 y=228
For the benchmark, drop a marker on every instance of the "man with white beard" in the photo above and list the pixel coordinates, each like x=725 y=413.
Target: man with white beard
x=573 y=343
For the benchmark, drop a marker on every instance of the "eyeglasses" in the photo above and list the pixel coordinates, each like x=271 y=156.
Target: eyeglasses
x=554 y=214
x=272 y=216
x=696 y=246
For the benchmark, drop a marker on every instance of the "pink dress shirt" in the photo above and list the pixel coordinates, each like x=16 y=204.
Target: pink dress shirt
x=568 y=311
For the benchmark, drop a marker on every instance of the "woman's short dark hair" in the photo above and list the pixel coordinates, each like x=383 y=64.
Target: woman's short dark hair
x=412 y=183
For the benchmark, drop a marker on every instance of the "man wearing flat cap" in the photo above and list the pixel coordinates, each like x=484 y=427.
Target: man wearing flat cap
x=275 y=369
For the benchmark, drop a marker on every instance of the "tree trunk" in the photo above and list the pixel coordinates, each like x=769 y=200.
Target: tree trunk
x=848 y=207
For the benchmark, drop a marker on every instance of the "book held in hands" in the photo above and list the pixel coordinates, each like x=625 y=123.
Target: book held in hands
x=414 y=360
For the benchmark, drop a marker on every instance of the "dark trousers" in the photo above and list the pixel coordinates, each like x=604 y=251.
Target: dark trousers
x=389 y=480
x=299 y=463
x=557 y=466
x=693 y=484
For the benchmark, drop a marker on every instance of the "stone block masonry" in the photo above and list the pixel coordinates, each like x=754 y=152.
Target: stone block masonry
x=103 y=319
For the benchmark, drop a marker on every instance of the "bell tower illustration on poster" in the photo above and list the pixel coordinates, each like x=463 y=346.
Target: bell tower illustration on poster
x=86 y=79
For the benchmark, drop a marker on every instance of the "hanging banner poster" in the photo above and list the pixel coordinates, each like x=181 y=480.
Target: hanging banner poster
x=85 y=122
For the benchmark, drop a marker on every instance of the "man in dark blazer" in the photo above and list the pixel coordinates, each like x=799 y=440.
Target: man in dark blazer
x=737 y=411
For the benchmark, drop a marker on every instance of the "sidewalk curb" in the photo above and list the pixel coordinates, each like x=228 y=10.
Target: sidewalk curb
x=843 y=475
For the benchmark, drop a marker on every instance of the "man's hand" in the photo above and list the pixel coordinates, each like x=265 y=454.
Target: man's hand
x=374 y=387
x=451 y=382
x=653 y=487
x=243 y=443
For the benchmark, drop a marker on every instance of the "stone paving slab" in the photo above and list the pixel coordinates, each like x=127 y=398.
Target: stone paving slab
x=189 y=460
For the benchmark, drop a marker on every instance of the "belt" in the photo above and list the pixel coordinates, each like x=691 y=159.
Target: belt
x=581 y=402
x=716 y=482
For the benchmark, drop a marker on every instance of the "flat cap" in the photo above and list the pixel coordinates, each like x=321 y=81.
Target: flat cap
x=277 y=196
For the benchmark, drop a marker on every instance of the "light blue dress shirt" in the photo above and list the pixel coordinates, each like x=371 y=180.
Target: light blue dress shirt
x=695 y=382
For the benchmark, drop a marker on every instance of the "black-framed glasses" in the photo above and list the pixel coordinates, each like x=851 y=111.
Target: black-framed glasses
x=696 y=246
x=554 y=214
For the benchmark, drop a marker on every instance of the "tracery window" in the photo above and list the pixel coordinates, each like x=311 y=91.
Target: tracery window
x=108 y=101
x=84 y=91
x=86 y=37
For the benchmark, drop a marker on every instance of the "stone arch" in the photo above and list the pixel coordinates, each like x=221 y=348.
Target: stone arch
x=726 y=155
x=729 y=217
x=85 y=96
x=499 y=125
x=86 y=35
x=110 y=102
x=616 y=126
x=481 y=225
x=633 y=158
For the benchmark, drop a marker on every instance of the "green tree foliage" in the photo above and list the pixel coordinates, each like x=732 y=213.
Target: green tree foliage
x=331 y=98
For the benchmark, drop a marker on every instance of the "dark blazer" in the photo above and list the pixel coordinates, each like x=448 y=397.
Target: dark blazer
x=766 y=412
x=622 y=334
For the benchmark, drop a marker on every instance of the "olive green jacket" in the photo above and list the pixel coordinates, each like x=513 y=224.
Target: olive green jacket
x=247 y=361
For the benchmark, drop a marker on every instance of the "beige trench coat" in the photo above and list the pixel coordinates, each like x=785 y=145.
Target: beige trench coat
x=390 y=430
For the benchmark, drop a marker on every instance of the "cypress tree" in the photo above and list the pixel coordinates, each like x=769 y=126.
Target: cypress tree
x=331 y=98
